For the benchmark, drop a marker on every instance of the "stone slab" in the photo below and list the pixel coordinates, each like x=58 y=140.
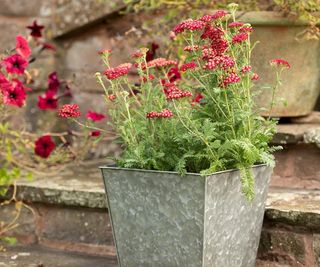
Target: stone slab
x=37 y=256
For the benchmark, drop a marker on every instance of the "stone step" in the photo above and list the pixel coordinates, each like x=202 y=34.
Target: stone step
x=39 y=256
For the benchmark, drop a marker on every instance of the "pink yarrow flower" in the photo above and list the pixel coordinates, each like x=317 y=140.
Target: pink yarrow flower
x=161 y=62
x=189 y=65
x=219 y=14
x=191 y=48
x=165 y=113
x=121 y=70
x=189 y=24
x=280 y=62
x=22 y=47
x=69 y=111
x=231 y=78
x=240 y=37
x=235 y=24
x=246 y=69
x=255 y=77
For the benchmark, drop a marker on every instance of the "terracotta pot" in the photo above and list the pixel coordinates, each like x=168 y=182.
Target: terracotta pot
x=162 y=219
x=277 y=38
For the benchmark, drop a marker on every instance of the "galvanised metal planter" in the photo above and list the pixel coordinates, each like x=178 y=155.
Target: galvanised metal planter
x=277 y=36
x=163 y=219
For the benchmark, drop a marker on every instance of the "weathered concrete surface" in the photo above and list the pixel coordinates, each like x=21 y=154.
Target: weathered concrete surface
x=37 y=256
x=71 y=15
x=26 y=8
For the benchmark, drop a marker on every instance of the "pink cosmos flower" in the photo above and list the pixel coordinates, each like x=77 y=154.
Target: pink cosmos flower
x=15 y=64
x=94 y=116
x=14 y=93
x=22 y=47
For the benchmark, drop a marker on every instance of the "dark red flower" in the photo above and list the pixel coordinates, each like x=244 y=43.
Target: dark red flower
x=151 y=53
x=53 y=82
x=35 y=29
x=44 y=146
x=279 y=62
x=174 y=74
x=14 y=93
x=22 y=47
x=69 y=111
x=48 y=101
x=94 y=116
x=47 y=46
x=95 y=133
x=197 y=99
x=15 y=64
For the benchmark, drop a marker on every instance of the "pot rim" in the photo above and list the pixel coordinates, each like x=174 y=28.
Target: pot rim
x=174 y=172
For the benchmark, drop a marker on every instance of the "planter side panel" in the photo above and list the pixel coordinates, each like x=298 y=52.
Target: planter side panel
x=157 y=218
x=232 y=225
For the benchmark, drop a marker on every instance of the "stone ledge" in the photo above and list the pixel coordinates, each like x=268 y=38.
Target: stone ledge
x=291 y=206
x=294 y=207
x=298 y=130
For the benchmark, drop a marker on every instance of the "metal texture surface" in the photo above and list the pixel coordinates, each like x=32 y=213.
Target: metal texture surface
x=163 y=219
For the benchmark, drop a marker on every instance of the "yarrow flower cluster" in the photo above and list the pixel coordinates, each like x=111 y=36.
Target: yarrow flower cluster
x=165 y=113
x=121 y=70
x=280 y=62
x=190 y=25
x=231 y=78
x=160 y=63
x=173 y=92
x=240 y=37
x=69 y=111
x=190 y=65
